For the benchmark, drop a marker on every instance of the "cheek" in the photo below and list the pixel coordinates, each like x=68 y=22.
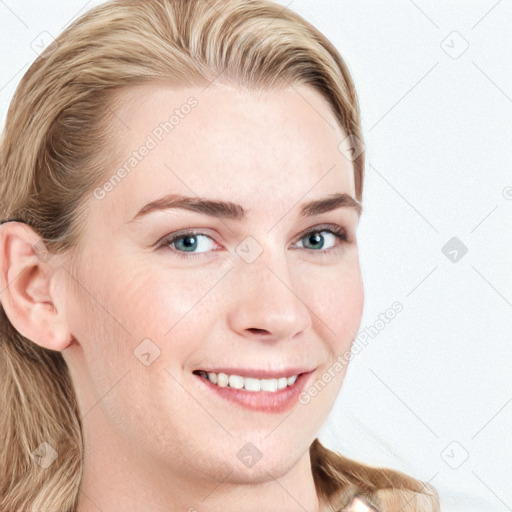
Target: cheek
x=159 y=302
x=172 y=308
x=108 y=313
x=337 y=302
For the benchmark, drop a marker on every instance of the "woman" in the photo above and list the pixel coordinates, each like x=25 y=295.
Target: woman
x=182 y=183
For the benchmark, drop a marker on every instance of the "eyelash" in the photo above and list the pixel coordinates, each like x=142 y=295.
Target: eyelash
x=337 y=231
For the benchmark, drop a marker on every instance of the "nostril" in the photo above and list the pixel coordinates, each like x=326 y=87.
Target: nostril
x=257 y=331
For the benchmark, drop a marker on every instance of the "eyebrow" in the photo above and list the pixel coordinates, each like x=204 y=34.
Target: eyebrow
x=233 y=211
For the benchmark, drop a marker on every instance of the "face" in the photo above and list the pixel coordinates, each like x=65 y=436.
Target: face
x=254 y=288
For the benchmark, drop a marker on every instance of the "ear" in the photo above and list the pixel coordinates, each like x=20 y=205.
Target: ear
x=32 y=284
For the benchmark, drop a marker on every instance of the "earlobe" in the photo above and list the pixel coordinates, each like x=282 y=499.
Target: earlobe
x=32 y=281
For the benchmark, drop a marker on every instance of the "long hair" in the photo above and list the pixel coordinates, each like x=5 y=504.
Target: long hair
x=54 y=152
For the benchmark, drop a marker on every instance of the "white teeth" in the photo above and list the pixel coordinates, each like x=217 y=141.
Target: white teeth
x=282 y=383
x=235 y=381
x=248 y=383
x=252 y=384
x=222 y=380
x=268 y=384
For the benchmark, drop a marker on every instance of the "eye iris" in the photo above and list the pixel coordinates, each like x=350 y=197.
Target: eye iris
x=190 y=243
x=317 y=237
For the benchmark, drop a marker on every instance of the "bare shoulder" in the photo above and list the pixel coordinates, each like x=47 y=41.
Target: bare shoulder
x=349 y=485
x=388 y=500
x=406 y=500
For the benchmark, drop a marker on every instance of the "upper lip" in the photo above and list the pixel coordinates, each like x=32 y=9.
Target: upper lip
x=258 y=373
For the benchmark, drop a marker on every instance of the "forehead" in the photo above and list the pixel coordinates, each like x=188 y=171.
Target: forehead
x=227 y=142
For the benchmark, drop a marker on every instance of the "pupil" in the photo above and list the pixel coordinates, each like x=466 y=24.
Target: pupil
x=318 y=239
x=189 y=242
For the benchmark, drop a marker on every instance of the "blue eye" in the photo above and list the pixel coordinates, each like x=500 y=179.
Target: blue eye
x=191 y=244
x=316 y=239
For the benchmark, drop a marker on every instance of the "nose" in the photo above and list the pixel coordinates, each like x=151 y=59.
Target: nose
x=266 y=301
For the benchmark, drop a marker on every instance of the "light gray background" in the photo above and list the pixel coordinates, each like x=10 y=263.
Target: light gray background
x=431 y=393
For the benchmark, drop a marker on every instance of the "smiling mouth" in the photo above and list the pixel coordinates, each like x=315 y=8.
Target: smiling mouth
x=224 y=380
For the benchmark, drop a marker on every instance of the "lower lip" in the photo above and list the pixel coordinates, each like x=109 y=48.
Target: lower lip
x=261 y=401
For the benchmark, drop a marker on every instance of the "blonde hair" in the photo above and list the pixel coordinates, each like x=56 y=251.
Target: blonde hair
x=54 y=150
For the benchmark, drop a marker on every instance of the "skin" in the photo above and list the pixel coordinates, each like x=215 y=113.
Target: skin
x=154 y=439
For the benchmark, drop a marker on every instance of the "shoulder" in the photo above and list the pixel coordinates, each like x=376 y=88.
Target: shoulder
x=406 y=500
x=386 y=500
x=339 y=479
